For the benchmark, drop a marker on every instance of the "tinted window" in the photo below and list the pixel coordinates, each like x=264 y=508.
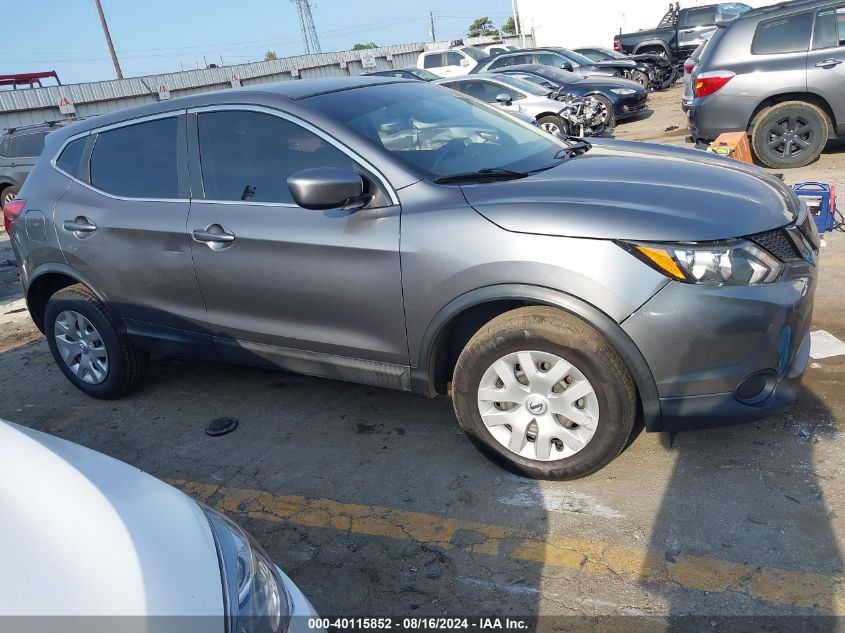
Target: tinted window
x=137 y=161
x=555 y=61
x=5 y=146
x=485 y=90
x=705 y=16
x=790 y=34
x=70 y=157
x=29 y=145
x=453 y=58
x=434 y=60
x=592 y=55
x=830 y=28
x=249 y=155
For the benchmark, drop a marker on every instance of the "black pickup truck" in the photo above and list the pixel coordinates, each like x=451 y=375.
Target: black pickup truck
x=679 y=32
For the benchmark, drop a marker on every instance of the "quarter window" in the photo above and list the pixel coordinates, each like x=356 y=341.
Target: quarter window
x=547 y=59
x=790 y=34
x=705 y=16
x=137 y=161
x=248 y=156
x=71 y=156
x=6 y=147
x=29 y=145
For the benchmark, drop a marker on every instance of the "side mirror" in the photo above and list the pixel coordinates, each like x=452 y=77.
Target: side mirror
x=567 y=66
x=324 y=188
x=504 y=98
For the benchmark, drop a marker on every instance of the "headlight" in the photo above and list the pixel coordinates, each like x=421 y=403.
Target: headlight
x=622 y=91
x=728 y=263
x=256 y=598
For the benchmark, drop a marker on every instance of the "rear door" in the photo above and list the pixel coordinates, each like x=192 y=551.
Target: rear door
x=311 y=291
x=826 y=60
x=121 y=224
x=692 y=26
x=442 y=63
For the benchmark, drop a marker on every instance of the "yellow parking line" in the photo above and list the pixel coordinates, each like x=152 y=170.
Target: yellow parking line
x=791 y=588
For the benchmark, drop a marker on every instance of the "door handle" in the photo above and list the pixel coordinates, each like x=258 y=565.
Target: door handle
x=214 y=235
x=79 y=225
x=828 y=63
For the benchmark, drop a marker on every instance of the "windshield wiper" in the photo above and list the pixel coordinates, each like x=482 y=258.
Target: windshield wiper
x=577 y=148
x=488 y=173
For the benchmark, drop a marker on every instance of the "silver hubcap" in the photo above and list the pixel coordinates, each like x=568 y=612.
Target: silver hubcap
x=551 y=128
x=81 y=347
x=538 y=405
x=7 y=198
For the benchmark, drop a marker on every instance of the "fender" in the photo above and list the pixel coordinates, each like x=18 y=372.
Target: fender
x=630 y=353
x=50 y=268
x=660 y=43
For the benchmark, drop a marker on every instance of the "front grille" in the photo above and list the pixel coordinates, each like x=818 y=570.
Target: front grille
x=779 y=244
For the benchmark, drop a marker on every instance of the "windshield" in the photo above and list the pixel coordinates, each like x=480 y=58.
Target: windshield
x=610 y=53
x=575 y=57
x=439 y=132
x=521 y=84
x=423 y=74
x=475 y=53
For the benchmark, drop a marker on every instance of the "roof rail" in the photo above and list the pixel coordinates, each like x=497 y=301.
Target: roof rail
x=50 y=124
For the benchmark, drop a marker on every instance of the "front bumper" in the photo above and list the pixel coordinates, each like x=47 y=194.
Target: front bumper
x=302 y=613
x=629 y=105
x=717 y=113
x=706 y=345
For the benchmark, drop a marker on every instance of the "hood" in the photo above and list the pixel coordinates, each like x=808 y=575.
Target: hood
x=85 y=534
x=639 y=191
x=622 y=64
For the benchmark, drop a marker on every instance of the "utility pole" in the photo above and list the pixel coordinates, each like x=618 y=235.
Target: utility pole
x=108 y=39
x=431 y=30
x=516 y=24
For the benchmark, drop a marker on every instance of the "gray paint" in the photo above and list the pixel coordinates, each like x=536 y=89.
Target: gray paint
x=362 y=295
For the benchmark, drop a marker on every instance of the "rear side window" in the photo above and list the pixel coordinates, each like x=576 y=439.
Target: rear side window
x=790 y=34
x=453 y=59
x=6 y=147
x=248 y=156
x=71 y=156
x=434 y=60
x=830 y=28
x=547 y=59
x=706 y=16
x=29 y=145
x=137 y=161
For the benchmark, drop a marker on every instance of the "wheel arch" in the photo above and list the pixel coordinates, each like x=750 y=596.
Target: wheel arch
x=46 y=281
x=545 y=114
x=453 y=326
x=809 y=97
x=652 y=44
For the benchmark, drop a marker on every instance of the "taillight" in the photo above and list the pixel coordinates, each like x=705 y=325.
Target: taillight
x=617 y=44
x=708 y=83
x=689 y=66
x=12 y=211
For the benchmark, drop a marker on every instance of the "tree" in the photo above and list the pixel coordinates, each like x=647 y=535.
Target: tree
x=482 y=27
x=270 y=56
x=361 y=47
x=509 y=27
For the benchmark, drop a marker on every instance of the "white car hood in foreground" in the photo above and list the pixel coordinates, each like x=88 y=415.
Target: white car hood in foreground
x=84 y=534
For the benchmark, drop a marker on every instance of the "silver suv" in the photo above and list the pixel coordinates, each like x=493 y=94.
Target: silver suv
x=400 y=234
x=779 y=73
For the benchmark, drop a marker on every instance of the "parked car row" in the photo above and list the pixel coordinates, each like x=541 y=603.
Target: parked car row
x=778 y=73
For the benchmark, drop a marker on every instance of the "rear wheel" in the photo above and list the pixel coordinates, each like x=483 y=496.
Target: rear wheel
x=8 y=194
x=89 y=346
x=790 y=134
x=544 y=394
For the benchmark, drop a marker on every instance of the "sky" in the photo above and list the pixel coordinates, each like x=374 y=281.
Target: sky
x=158 y=36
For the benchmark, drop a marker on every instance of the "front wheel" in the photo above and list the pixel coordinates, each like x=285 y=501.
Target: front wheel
x=89 y=346
x=641 y=78
x=554 y=125
x=544 y=394
x=790 y=134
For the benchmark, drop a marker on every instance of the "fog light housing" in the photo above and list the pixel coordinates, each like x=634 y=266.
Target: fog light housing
x=756 y=387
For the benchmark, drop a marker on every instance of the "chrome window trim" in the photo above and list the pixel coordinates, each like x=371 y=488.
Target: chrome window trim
x=391 y=192
x=106 y=128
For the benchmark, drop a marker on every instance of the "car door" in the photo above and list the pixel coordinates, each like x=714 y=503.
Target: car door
x=826 y=60
x=693 y=25
x=121 y=225
x=312 y=291
x=436 y=63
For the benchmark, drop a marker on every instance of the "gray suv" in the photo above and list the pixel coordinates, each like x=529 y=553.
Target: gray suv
x=400 y=234
x=19 y=149
x=779 y=73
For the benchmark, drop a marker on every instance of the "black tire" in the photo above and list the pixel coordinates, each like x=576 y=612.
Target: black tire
x=554 y=121
x=790 y=134
x=552 y=331
x=610 y=120
x=641 y=78
x=8 y=194
x=126 y=365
